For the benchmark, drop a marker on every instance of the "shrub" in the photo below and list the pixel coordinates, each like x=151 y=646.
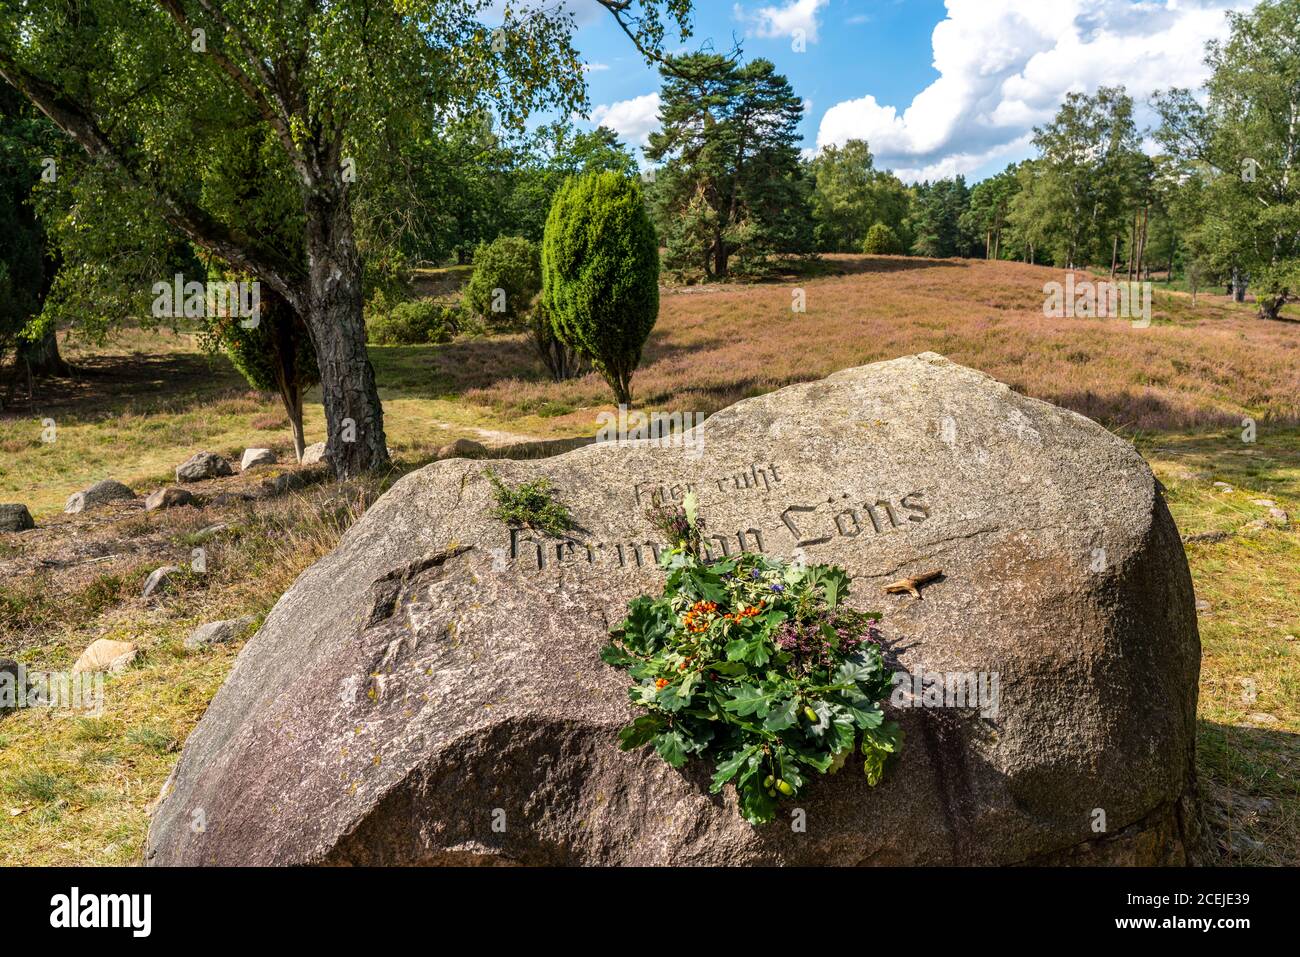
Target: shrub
x=531 y=505
x=415 y=322
x=600 y=274
x=561 y=359
x=507 y=276
x=881 y=241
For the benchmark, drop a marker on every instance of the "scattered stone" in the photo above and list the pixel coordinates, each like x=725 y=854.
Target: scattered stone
x=206 y=533
x=1265 y=502
x=463 y=449
x=1223 y=486
x=468 y=653
x=98 y=494
x=313 y=454
x=105 y=654
x=226 y=499
x=170 y=497
x=13 y=684
x=1260 y=717
x=203 y=465
x=292 y=481
x=217 y=632
x=159 y=580
x=1288 y=637
x=15 y=518
x=254 y=457
x=1202 y=606
x=1210 y=537
x=1279 y=516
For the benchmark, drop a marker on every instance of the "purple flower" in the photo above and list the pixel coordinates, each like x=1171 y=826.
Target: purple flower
x=778 y=588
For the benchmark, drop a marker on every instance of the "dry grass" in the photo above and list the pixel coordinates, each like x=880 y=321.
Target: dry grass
x=75 y=788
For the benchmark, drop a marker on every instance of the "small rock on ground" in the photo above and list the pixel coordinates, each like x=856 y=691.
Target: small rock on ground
x=217 y=632
x=169 y=497
x=15 y=518
x=313 y=454
x=203 y=465
x=98 y=494
x=159 y=579
x=104 y=654
x=1260 y=717
x=253 y=457
x=463 y=449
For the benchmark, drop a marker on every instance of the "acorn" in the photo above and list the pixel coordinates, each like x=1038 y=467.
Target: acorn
x=785 y=788
x=809 y=713
x=768 y=781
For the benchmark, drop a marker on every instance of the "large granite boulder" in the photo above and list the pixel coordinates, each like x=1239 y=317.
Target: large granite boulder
x=431 y=691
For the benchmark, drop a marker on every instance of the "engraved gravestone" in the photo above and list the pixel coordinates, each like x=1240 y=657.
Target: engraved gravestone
x=431 y=691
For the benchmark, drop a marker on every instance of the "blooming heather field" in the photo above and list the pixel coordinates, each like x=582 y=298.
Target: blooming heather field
x=716 y=344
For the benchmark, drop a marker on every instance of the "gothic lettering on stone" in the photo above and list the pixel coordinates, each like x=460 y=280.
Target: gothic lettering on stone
x=755 y=478
x=842 y=516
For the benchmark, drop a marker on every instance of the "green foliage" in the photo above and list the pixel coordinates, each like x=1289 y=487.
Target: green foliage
x=530 y=505
x=756 y=666
x=850 y=196
x=414 y=322
x=25 y=268
x=507 y=275
x=730 y=183
x=936 y=218
x=1239 y=156
x=881 y=241
x=600 y=274
x=274 y=352
x=990 y=204
x=1088 y=181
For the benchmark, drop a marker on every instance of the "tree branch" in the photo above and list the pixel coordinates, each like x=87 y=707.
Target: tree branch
x=278 y=118
x=205 y=231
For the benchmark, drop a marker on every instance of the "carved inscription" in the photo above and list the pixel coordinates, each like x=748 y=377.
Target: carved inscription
x=839 y=516
x=816 y=524
x=756 y=478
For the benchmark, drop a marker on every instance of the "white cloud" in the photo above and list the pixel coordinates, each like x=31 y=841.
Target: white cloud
x=595 y=67
x=785 y=20
x=1005 y=65
x=633 y=120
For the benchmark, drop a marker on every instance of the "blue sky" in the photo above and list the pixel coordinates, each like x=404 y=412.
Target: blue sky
x=936 y=87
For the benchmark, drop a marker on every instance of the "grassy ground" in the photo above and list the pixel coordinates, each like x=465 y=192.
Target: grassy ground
x=76 y=789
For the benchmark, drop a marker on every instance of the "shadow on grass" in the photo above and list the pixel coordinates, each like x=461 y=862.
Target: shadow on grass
x=449 y=370
x=1250 y=792
x=1272 y=461
x=104 y=385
